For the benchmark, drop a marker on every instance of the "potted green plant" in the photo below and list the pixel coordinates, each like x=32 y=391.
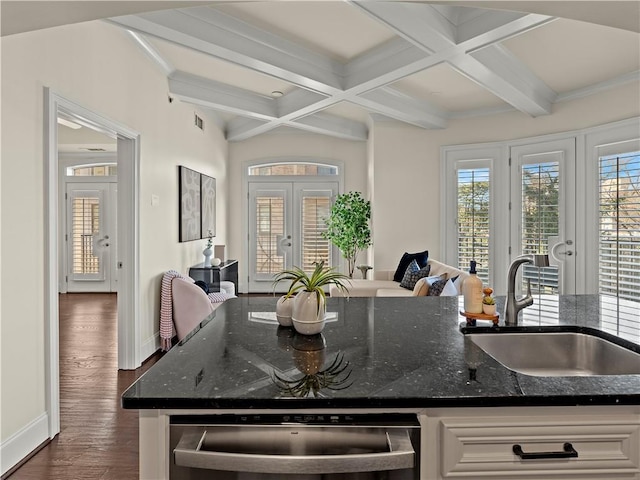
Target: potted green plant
x=488 y=303
x=348 y=226
x=308 y=309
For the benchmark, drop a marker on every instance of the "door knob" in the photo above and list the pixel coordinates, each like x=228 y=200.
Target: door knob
x=554 y=251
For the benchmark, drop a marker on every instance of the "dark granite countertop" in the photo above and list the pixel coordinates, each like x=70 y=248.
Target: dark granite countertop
x=388 y=352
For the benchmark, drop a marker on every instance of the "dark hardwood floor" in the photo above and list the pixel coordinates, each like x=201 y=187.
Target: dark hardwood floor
x=98 y=439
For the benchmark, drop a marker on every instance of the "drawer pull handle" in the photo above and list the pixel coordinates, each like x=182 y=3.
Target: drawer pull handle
x=567 y=452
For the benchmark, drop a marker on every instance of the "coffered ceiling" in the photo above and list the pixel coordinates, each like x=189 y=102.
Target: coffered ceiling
x=338 y=63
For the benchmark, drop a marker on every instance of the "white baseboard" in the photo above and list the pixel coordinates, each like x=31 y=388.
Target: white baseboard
x=23 y=442
x=151 y=346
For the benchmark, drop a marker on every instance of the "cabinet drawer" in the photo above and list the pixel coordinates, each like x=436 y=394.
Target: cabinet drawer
x=483 y=447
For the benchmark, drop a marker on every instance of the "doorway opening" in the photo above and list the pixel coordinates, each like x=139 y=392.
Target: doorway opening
x=88 y=189
x=126 y=146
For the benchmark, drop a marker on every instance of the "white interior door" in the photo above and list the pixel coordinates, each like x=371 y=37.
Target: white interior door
x=91 y=237
x=543 y=212
x=286 y=220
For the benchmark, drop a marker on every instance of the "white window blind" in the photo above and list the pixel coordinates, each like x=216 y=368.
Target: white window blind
x=473 y=219
x=619 y=226
x=270 y=227
x=85 y=220
x=540 y=214
x=314 y=247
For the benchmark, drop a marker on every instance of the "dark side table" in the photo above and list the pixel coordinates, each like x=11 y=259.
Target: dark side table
x=212 y=276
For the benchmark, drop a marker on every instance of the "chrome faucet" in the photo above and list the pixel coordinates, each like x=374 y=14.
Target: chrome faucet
x=513 y=305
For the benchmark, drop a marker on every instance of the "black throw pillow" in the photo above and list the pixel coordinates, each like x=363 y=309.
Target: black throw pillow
x=421 y=257
x=202 y=285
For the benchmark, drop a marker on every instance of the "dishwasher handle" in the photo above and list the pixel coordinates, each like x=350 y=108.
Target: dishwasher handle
x=401 y=455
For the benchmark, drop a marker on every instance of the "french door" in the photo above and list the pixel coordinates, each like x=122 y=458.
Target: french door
x=543 y=212
x=91 y=237
x=286 y=221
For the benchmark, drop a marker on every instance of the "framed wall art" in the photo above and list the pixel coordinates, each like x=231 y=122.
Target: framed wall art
x=190 y=204
x=208 y=202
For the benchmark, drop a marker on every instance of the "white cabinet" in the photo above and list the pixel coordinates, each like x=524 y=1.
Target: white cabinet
x=479 y=443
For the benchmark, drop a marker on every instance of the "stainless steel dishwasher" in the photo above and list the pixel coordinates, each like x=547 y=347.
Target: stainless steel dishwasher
x=295 y=446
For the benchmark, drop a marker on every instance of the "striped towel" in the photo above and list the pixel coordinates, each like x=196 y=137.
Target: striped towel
x=167 y=330
x=219 y=297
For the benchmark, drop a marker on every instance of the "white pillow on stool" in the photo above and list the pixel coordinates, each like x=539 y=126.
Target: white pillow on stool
x=227 y=287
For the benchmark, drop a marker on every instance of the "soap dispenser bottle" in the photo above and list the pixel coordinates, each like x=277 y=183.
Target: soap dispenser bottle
x=472 y=291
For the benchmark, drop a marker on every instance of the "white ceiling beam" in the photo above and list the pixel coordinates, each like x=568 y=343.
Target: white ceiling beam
x=391 y=59
x=321 y=81
x=296 y=100
x=259 y=110
x=302 y=115
x=532 y=97
x=418 y=23
x=392 y=103
x=162 y=63
x=209 y=93
x=487 y=22
x=496 y=69
x=300 y=102
x=238 y=126
x=332 y=125
x=321 y=122
x=210 y=31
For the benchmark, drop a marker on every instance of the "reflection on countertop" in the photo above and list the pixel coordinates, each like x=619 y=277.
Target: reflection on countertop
x=309 y=355
x=401 y=352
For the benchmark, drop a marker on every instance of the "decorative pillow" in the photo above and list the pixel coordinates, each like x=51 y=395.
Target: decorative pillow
x=421 y=258
x=413 y=274
x=436 y=285
x=421 y=288
x=457 y=282
x=449 y=289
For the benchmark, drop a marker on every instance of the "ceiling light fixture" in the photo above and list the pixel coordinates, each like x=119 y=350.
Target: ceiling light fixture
x=276 y=94
x=68 y=123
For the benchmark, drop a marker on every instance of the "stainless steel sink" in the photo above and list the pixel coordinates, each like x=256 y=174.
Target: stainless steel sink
x=552 y=354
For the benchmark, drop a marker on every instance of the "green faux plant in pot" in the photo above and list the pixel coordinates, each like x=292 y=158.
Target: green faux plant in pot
x=309 y=304
x=320 y=277
x=348 y=226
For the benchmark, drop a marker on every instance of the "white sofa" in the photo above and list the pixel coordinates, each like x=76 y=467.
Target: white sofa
x=383 y=285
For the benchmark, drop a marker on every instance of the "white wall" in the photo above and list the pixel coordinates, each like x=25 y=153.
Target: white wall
x=352 y=153
x=406 y=208
x=399 y=166
x=95 y=65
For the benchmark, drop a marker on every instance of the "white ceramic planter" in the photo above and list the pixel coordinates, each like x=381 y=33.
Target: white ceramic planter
x=284 y=309
x=307 y=318
x=488 y=309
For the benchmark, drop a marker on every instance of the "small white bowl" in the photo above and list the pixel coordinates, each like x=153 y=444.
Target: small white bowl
x=308 y=328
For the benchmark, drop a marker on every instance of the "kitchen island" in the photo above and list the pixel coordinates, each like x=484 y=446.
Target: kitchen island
x=403 y=355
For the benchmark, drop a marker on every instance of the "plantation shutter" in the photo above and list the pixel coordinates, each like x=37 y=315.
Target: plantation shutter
x=540 y=217
x=85 y=212
x=315 y=208
x=619 y=238
x=473 y=219
x=269 y=229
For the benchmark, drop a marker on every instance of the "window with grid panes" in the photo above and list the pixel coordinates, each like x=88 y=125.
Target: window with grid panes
x=315 y=249
x=619 y=238
x=473 y=219
x=270 y=227
x=85 y=221
x=540 y=214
